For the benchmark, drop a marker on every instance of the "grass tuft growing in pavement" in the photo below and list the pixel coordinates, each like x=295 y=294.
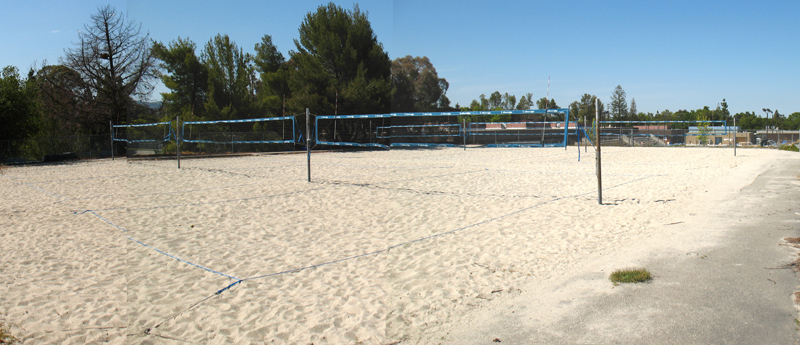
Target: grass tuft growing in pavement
x=630 y=275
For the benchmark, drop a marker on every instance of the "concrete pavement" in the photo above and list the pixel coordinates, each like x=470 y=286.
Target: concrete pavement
x=727 y=293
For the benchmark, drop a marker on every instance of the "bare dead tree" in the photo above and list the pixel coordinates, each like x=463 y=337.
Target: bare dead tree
x=115 y=60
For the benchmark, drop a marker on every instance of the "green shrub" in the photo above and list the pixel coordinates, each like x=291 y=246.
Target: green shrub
x=789 y=148
x=630 y=275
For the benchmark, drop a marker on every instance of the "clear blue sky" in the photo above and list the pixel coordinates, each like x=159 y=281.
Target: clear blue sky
x=665 y=54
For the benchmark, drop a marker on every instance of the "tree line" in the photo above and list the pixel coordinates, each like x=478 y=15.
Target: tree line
x=618 y=110
x=337 y=65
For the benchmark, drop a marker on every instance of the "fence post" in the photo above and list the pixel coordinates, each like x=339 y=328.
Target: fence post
x=111 y=127
x=177 y=140
x=308 y=143
x=597 y=139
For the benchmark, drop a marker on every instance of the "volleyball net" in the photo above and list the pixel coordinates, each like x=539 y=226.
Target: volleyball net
x=666 y=133
x=502 y=128
x=145 y=138
x=244 y=135
x=436 y=129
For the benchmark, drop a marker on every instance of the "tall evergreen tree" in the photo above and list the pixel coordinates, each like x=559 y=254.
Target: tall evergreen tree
x=633 y=113
x=726 y=114
x=18 y=108
x=618 y=105
x=274 y=74
x=186 y=77
x=338 y=52
x=230 y=79
x=525 y=102
x=267 y=58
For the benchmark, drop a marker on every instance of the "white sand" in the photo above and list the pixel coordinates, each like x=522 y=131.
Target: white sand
x=518 y=220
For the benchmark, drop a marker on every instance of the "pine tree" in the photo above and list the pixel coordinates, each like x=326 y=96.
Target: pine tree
x=619 y=106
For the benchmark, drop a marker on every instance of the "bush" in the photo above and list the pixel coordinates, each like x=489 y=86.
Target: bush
x=630 y=275
x=789 y=148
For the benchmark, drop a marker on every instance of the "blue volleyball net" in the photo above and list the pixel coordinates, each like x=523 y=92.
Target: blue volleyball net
x=483 y=128
x=244 y=135
x=352 y=130
x=666 y=133
x=522 y=134
x=144 y=138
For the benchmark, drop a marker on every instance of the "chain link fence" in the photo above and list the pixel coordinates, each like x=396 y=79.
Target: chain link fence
x=56 y=148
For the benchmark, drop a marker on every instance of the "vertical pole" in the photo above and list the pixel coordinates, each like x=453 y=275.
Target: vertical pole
x=178 y=139
x=586 y=138
x=464 y=129
x=543 y=123
x=578 y=135
x=734 y=136
x=545 y=107
x=597 y=139
x=579 y=145
x=308 y=143
x=566 y=133
x=111 y=127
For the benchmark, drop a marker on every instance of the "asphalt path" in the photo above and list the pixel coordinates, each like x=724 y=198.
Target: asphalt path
x=739 y=291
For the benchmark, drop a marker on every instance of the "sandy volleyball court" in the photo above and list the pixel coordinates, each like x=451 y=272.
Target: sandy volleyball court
x=380 y=247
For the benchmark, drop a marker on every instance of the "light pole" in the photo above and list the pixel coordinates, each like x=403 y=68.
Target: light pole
x=767 y=111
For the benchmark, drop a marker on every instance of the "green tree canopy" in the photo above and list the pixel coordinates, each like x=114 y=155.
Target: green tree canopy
x=267 y=59
x=618 y=106
x=63 y=102
x=18 y=107
x=186 y=77
x=793 y=121
x=551 y=103
x=525 y=102
x=417 y=86
x=230 y=80
x=585 y=108
x=274 y=77
x=338 y=51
